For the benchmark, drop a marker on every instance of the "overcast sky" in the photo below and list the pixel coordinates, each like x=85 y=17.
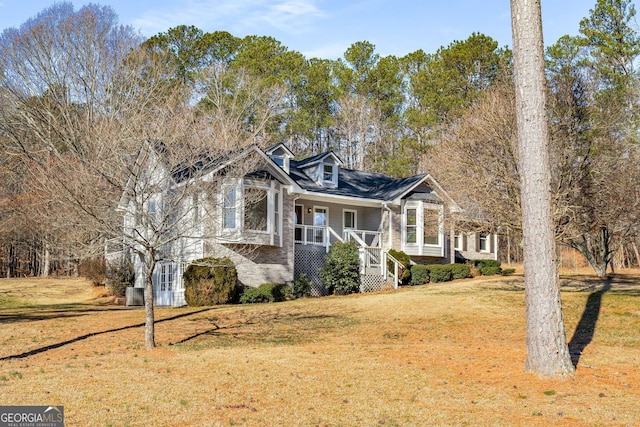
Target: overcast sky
x=326 y=28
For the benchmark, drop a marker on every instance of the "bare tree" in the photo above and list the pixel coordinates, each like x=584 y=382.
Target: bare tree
x=107 y=136
x=547 y=349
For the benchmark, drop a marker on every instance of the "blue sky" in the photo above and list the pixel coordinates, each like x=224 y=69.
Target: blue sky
x=326 y=28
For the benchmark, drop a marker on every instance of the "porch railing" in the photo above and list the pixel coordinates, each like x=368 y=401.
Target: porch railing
x=318 y=235
x=372 y=256
x=391 y=268
x=365 y=238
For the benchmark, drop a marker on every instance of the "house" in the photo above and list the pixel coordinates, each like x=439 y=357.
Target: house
x=281 y=216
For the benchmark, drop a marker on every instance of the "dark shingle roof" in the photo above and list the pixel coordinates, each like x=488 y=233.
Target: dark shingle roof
x=353 y=183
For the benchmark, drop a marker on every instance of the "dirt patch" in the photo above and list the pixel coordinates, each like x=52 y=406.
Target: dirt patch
x=445 y=354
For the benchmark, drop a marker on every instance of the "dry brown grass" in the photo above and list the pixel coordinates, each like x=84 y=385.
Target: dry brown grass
x=444 y=354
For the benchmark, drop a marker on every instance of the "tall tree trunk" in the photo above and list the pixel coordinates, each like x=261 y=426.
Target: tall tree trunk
x=635 y=250
x=547 y=349
x=46 y=263
x=149 y=325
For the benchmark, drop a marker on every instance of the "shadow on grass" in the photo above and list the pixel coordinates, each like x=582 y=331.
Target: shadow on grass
x=586 y=327
x=93 y=334
x=29 y=313
x=293 y=328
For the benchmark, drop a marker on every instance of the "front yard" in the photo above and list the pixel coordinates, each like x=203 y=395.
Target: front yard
x=439 y=354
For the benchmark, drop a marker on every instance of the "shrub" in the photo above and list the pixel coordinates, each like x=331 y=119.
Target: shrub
x=254 y=296
x=276 y=291
x=439 y=273
x=419 y=274
x=490 y=270
x=210 y=281
x=93 y=269
x=119 y=276
x=301 y=286
x=405 y=260
x=487 y=267
x=341 y=271
x=460 y=271
x=508 y=271
x=481 y=263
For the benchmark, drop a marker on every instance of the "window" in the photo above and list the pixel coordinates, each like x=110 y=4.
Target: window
x=431 y=227
x=251 y=211
x=320 y=215
x=166 y=277
x=483 y=242
x=422 y=227
x=349 y=219
x=412 y=226
x=229 y=219
x=278 y=160
x=327 y=173
x=152 y=207
x=256 y=209
x=457 y=242
x=298 y=221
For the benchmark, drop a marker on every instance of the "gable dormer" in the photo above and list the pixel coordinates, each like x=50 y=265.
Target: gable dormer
x=323 y=169
x=281 y=155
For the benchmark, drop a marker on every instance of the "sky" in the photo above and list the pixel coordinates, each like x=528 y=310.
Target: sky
x=326 y=28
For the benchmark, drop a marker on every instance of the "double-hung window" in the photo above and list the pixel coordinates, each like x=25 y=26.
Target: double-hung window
x=251 y=212
x=230 y=208
x=484 y=244
x=422 y=228
x=256 y=209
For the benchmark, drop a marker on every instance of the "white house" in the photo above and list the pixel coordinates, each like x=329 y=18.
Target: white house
x=279 y=220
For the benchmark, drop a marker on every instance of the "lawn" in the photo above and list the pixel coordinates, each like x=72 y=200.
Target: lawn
x=441 y=354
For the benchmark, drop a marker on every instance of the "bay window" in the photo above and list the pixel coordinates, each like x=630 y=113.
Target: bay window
x=422 y=228
x=251 y=212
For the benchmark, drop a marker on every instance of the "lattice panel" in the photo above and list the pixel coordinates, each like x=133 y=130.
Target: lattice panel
x=371 y=283
x=309 y=259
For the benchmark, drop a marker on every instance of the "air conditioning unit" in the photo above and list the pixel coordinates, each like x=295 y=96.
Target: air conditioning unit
x=134 y=296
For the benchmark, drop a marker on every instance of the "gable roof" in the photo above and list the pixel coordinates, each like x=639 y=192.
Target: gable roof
x=353 y=183
x=310 y=161
x=279 y=145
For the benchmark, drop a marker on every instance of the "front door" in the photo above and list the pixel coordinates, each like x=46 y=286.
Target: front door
x=320 y=222
x=297 y=219
x=163 y=286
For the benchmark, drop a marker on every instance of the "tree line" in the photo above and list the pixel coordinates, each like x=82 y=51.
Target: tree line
x=80 y=93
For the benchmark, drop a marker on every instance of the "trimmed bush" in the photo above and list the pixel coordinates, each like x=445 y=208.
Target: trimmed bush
x=487 y=267
x=405 y=260
x=419 y=274
x=341 y=271
x=439 y=273
x=508 y=271
x=119 y=276
x=490 y=271
x=301 y=286
x=210 y=281
x=254 y=296
x=460 y=271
